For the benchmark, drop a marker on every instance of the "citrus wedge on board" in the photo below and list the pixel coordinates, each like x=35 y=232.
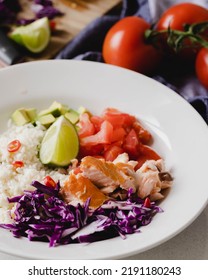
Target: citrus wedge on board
x=34 y=36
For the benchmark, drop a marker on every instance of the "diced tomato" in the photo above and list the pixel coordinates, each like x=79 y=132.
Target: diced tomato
x=104 y=136
x=91 y=150
x=143 y=134
x=132 y=144
x=118 y=134
x=112 y=152
x=97 y=121
x=86 y=127
x=49 y=182
x=147 y=153
x=113 y=133
x=117 y=118
x=117 y=143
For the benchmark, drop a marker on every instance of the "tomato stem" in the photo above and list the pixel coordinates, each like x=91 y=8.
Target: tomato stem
x=196 y=33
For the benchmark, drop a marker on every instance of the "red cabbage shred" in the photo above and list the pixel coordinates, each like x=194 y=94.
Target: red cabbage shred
x=9 y=10
x=42 y=216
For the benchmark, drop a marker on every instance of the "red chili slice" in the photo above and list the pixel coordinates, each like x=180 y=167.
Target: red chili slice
x=18 y=164
x=49 y=182
x=147 y=202
x=13 y=146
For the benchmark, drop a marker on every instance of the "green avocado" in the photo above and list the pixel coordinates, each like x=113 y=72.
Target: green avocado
x=20 y=117
x=46 y=120
x=56 y=109
x=72 y=116
x=24 y=115
x=32 y=114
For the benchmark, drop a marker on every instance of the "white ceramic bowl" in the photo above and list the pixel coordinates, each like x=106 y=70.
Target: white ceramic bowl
x=181 y=137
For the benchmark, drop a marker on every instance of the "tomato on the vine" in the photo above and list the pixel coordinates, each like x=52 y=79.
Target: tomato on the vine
x=201 y=66
x=125 y=46
x=180 y=14
x=176 y=18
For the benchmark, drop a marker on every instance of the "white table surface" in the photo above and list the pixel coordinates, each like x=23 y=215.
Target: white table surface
x=190 y=244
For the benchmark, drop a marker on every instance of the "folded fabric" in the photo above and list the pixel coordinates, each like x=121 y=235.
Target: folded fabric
x=88 y=46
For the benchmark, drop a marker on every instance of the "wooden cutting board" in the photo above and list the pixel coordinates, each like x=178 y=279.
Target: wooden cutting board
x=77 y=15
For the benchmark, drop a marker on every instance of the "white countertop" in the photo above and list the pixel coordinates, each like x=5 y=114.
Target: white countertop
x=190 y=244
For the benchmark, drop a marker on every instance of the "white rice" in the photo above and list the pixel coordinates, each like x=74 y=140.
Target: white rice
x=14 y=181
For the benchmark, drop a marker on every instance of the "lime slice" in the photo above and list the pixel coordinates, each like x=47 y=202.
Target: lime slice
x=60 y=144
x=34 y=36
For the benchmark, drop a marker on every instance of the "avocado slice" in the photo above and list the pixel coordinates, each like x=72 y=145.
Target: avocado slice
x=56 y=109
x=72 y=116
x=46 y=120
x=20 y=117
x=64 y=109
x=32 y=114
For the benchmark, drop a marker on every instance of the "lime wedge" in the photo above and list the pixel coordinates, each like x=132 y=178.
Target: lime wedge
x=60 y=144
x=34 y=36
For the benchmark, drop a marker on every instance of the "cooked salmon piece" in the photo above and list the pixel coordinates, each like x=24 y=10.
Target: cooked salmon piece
x=77 y=189
x=106 y=175
x=127 y=166
x=152 y=178
x=124 y=158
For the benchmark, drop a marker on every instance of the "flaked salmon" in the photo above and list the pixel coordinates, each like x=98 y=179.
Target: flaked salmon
x=107 y=175
x=77 y=189
x=152 y=178
x=101 y=180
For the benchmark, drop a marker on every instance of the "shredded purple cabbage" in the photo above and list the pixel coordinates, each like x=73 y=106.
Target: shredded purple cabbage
x=8 y=10
x=46 y=190
x=49 y=12
x=41 y=215
x=41 y=8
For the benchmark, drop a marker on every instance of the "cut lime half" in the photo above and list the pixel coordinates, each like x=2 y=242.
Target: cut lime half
x=34 y=36
x=60 y=144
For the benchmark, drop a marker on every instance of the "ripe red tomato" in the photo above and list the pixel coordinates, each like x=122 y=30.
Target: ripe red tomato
x=201 y=66
x=125 y=46
x=184 y=13
x=175 y=18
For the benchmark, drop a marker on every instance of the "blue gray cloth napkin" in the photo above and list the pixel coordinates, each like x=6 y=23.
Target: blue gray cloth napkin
x=88 y=46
